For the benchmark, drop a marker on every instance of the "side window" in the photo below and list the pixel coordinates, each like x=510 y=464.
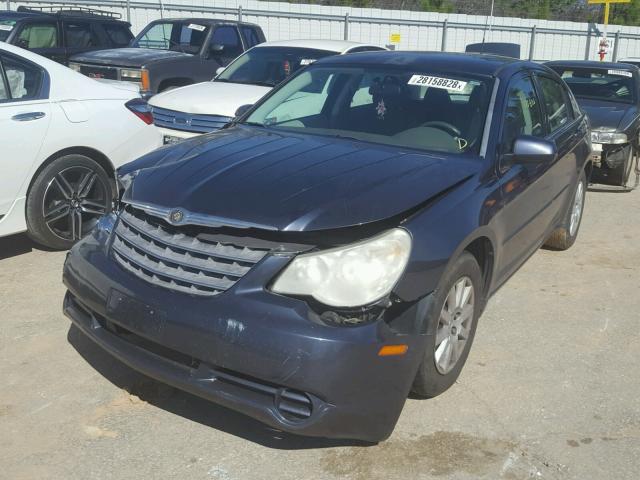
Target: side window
x=79 y=35
x=38 y=35
x=118 y=35
x=25 y=79
x=250 y=37
x=523 y=115
x=555 y=102
x=4 y=92
x=229 y=38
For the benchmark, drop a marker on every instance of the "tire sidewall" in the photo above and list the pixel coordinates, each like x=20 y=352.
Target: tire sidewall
x=567 y=223
x=36 y=226
x=429 y=381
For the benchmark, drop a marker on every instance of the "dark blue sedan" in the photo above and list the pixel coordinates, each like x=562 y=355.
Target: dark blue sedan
x=332 y=250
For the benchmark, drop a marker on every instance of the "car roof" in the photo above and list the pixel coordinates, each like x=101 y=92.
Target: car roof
x=329 y=45
x=206 y=21
x=63 y=14
x=590 y=64
x=481 y=64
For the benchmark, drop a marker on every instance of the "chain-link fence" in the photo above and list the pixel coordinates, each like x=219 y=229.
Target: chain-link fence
x=407 y=30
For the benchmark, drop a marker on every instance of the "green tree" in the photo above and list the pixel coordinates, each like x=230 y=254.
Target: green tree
x=441 y=6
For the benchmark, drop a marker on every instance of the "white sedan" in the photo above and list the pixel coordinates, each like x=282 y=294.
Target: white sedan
x=205 y=107
x=62 y=135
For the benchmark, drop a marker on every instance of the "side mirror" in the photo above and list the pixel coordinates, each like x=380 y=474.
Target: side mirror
x=219 y=70
x=531 y=150
x=242 y=110
x=216 y=48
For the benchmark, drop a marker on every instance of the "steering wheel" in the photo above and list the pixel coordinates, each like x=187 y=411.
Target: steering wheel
x=444 y=126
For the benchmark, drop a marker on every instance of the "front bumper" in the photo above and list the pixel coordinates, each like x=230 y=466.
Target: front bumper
x=261 y=354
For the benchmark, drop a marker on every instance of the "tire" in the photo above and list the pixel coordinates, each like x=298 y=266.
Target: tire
x=434 y=376
x=622 y=174
x=66 y=199
x=565 y=235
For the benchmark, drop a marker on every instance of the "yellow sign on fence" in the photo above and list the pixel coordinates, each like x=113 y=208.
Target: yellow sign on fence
x=394 y=38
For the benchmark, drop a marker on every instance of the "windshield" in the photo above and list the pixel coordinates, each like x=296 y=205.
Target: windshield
x=177 y=36
x=609 y=85
x=409 y=108
x=6 y=25
x=268 y=66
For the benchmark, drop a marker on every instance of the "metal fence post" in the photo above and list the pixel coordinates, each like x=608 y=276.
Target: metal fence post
x=532 y=42
x=615 y=46
x=8 y=4
x=445 y=27
x=129 y=11
x=587 y=51
x=346 y=26
x=239 y=13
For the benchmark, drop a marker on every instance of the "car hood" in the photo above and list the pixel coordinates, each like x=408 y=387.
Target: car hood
x=609 y=115
x=210 y=98
x=126 y=57
x=251 y=176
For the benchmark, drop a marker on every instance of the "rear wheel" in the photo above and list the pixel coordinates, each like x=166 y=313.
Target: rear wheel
x=452 y=318
x=66 y=199
x=565 y=235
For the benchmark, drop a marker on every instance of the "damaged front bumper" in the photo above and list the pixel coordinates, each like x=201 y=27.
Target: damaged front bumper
x=268 y=356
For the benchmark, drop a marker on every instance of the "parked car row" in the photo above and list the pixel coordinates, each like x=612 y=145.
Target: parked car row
x=327 y=222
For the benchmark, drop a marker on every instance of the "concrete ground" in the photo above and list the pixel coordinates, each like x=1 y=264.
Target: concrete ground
x=551 y=388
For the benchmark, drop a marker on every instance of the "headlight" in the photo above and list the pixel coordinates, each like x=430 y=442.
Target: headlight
x=350 y=276
x=124 y=182
x=130 y=74
x=75 y=67
x=599 y=136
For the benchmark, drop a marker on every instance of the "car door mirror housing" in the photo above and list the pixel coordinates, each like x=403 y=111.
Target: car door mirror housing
x=219 y=70
x=243 y=109
x=528 y=149
x=216 y=48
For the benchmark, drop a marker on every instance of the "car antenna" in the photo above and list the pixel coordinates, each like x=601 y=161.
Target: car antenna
x=487 y=25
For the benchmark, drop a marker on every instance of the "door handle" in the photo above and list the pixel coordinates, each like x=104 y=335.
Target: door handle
x=27 y=117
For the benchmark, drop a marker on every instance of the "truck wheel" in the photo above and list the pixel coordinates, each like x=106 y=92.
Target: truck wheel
x=66 y=199
x=565 y=235
x=452 y=318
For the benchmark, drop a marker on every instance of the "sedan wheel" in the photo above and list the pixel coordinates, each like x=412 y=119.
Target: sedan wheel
x=73 y=201
x=454 y=326
x=66 y=200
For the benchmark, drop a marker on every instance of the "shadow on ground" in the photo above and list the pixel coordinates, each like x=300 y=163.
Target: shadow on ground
x=190 y=406
x=15 y=245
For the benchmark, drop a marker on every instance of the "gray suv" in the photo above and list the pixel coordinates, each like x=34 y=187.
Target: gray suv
x=172 y=53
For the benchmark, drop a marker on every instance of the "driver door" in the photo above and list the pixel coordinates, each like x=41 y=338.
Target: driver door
x=24 y=120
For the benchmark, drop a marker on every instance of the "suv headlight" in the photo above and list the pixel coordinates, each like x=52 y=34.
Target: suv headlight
x=608 y=137
x=350 y=276
x=135 y=75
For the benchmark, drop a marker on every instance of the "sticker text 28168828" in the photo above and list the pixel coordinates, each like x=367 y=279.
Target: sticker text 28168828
x=437 y=82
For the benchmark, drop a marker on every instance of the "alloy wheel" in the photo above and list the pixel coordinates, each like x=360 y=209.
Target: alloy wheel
x=73 y=201
x=454 y=325
x=576 y=209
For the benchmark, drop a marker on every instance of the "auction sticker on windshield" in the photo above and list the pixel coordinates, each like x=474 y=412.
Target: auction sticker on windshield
x=194 y=26
x=437 y=82
x=620 y=73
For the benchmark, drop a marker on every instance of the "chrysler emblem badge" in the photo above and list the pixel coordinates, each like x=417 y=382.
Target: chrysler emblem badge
x=176 y=216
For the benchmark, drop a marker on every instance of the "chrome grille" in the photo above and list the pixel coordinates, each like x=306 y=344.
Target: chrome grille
x=173 y=258
x=188 y=122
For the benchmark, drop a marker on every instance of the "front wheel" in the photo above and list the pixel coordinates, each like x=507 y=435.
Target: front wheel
x=565 y=235
x=66 y=199
x=452 y=318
